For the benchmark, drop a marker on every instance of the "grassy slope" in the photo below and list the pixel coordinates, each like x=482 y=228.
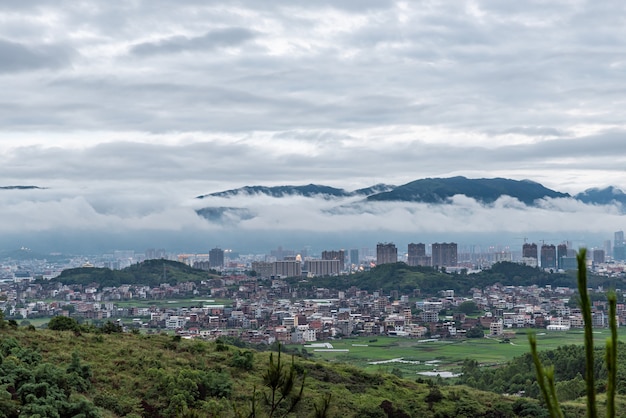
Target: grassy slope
x=127 y=369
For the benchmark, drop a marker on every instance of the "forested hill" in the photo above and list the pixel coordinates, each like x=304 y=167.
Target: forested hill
x=95 y=375
x=404 y=278
x=149 y=273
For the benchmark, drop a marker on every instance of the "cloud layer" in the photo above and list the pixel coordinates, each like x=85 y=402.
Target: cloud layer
x=127 y=111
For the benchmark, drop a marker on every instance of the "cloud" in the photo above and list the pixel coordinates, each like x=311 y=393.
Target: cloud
x=220 y=38
x=128 y=111
x=20 y=57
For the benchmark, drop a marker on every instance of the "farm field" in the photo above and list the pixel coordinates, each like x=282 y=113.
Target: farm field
x=411 y=356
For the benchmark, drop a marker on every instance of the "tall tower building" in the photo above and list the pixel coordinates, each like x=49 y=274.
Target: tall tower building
x=336 y=255
x=444 y=254
x=548 y=256
x=529 y=250
x=598 y=256
x=619 y=246
x=417 y=255
x=216 y=258
x=561 y=251
x=386 y=253
x=354 y=257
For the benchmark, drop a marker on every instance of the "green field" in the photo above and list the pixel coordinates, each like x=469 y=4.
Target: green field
x=443 y=355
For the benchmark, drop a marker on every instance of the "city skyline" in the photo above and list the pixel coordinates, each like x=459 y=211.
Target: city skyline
x=123 y=114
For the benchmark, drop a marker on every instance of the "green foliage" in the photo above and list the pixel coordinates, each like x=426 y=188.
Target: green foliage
x=149 y=273
x=29 y=388
x=242 y=360
x=283 y=395
x=63 y=323
x=468 y=307
x=475 y=332
x=109 y=328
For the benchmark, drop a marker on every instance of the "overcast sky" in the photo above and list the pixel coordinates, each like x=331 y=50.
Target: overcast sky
x=127 y=110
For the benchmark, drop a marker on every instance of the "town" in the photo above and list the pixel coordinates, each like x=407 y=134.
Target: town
x=255 y=298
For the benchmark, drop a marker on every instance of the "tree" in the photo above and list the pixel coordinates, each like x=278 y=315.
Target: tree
x=475 y=332
x=468 y=307
x=63 y=323
x=284 y=395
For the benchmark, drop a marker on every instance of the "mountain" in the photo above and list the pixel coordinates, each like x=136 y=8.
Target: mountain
x=308 y=190
x=604 y=196
x=429 y=190
x=440 y=190
x=21 y=188
x=434 y=191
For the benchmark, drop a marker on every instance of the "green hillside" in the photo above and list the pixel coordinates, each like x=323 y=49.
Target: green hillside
x=148 y=273
x=405 y=278
x=111 y=375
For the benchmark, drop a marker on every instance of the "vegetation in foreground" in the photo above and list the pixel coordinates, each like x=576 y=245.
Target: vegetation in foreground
x=69 y=373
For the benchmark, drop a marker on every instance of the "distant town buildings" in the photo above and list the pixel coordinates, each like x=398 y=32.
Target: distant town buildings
x=386 y=253
x=354 y=257
x=323 y=267
x=561 y=252
x=619 y=246
x=444 y=254
x=548 y=256
x=598 y=256
x=529 y=251
x=339 y=255
x=416 y=255
x=287 y=268
x=216 y=258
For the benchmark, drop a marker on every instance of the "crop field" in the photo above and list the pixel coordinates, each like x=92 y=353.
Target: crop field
x=411 y=356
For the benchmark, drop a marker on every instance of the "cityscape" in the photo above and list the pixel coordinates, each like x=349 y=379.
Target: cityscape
x=248 y=296
x=355 y=208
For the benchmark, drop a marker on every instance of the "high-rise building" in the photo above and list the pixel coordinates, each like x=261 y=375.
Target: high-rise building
x=323 y=267
x=152 y=253
x=336 y=255
x=287 y=268
x=529 y=251
x=548 y=256
x=619 y=246
x=598 y=256
x=216 y=258
x=354 y=257
x=263 y=269
x=417 y=255
x=444 y=254
x=561 y=251
x=386 y=253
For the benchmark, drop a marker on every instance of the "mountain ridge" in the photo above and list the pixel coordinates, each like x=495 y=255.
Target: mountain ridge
x=435 y=190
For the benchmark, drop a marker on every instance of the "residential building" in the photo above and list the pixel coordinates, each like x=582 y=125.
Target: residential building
x=291 y=268
x=444 y=254
x=417 y=255
x=339 y=255
x=548 y=256
x=354 y=257
x=561 y=251
x=216 y=258
x=386 y=253
x=323 y=267
x=529 y=250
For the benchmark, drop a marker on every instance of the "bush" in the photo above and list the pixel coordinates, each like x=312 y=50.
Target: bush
x=63 y=323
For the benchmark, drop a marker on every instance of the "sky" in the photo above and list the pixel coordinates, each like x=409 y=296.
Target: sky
x=125 y=111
